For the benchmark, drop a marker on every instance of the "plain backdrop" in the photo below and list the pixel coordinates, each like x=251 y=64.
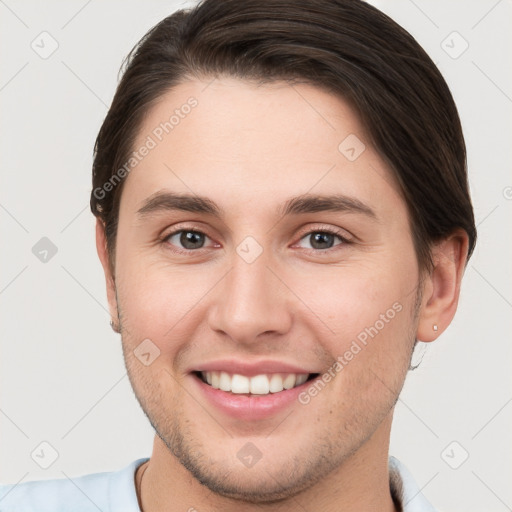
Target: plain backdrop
x=63 y=380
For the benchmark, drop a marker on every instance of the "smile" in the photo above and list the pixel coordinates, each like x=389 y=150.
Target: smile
x=262 y=384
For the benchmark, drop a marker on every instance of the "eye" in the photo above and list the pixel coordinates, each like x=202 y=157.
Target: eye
x=188 y=239
x=323 y=239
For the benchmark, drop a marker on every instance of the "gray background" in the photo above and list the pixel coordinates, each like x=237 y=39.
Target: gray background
x=62 y=376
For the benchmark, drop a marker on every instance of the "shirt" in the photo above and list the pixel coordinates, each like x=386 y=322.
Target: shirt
x=115 y=492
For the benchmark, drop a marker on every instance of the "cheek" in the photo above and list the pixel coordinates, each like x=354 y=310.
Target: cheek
x=156 y=301
x=350 y=300
x=370 y=348
x=369 y=315
x=164 y=304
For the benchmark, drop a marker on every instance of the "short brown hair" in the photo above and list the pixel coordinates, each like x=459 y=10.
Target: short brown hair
x=346 y=47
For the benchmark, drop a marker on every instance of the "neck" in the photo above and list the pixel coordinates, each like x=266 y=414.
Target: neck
x=360 y=483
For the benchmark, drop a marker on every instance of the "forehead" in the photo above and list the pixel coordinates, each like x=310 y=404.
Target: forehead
x=239 y=141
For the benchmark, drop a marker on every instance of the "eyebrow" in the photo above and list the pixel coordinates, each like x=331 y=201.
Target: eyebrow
x=307 y=203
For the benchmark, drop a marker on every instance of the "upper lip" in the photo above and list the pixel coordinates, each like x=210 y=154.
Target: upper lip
x=250 y=368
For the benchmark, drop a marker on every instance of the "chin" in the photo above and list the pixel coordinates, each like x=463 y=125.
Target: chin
x=256 y=485
x=218 y=467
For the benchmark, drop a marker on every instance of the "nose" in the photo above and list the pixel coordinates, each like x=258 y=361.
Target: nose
x=251 y=303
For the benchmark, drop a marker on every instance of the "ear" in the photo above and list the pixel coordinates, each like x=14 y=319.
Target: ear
x=441 y=288
x=101 y=247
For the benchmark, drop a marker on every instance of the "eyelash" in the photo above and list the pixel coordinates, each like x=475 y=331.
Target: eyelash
x=323 y=230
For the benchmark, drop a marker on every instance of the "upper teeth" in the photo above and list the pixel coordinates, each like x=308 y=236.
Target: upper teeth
x=257 y=385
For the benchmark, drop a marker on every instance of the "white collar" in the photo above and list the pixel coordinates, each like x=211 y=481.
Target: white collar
x=405 y=490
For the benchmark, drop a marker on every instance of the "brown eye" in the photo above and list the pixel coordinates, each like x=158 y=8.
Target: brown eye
x=321 y=240
x=187 y=239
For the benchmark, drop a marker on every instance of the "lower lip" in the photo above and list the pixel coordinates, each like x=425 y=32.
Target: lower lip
x=250 y=407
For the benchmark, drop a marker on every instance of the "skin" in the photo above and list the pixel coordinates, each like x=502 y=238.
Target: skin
x=250 y=148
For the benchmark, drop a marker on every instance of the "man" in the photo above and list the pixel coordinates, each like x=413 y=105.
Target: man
x=282 y=212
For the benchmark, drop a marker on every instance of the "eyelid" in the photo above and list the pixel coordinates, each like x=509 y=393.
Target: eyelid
x=327 y=228
x=176 y=228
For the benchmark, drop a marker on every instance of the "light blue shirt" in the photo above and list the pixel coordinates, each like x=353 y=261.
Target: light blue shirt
x=115 y=492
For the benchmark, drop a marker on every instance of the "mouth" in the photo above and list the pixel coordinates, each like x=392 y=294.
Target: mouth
x=262 y=384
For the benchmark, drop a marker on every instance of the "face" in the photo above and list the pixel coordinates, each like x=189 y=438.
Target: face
x=290 y=258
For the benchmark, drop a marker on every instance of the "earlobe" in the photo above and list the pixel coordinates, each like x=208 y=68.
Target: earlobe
x=442 y=286
x=101 y=247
